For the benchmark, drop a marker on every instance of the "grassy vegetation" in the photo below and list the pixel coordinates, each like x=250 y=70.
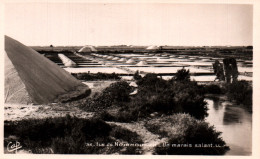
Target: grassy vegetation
x=182 y=75
x=116 y=93
x=173 y=108
x=156 y=95
x=239 y=91
x=78 y=93
x=113 y=95
x=183 y=129
x=71 y=135
x=213 y=89
x=119 y=91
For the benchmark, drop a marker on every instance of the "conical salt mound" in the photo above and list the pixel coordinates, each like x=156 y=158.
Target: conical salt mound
x=130 y=61
x=30 y=78
x=141 y=63
x=122 y=59
x=152 y=47
x=116 y=58
x=110 y=57
x=88 y=48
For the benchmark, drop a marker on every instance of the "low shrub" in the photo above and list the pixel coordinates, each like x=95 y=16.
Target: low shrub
x=68 y=135
x=186 y=136
x=67 y=145
x=116 y=93
x=213 y=89
x=119 y=91
x=189 y=98
x=104 y=115
x=124 y=115
x=126 y=135
x=98 y=102
x=150 y=82
x=241 y=92
x=157 y=95
x=137 y=76
x=173 y=96
x=182 y=75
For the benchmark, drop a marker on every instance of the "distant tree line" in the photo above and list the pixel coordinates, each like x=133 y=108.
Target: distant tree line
x=96 y=76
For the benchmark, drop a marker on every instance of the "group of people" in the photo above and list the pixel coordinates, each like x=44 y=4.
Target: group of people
x=227 y=72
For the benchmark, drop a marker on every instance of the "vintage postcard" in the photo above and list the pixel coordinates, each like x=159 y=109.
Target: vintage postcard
x=149 y=78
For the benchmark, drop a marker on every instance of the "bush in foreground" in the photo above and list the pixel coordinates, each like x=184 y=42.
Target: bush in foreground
x=213 y=89
x=189 y=98
x=124 y=115
x=187 y=136
x=158 y=95
x=241 y=92
x=167 y=97
x=114 y=94
x=119 y=91
x=70 y=135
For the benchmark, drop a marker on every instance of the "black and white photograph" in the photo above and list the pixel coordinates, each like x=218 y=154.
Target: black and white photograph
x=128 y=78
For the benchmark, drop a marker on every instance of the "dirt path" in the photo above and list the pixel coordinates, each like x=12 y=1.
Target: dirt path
x=19 y=112
x=148 y=138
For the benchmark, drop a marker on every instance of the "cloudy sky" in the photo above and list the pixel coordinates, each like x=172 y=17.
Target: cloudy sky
x=130 y=24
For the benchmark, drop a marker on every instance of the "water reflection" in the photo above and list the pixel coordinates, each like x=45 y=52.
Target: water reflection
x=235 y=123
x=232 y=115
x=216 y=103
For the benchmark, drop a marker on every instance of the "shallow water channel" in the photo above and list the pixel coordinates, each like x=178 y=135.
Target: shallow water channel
x=235 y=123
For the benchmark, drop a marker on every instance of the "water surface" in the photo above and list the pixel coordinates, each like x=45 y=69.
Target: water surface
x=235 y=123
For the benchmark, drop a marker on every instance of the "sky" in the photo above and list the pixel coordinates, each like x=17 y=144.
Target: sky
x=70 y=24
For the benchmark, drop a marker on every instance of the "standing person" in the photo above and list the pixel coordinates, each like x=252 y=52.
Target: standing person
x=230 y=66
x=219 y=71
